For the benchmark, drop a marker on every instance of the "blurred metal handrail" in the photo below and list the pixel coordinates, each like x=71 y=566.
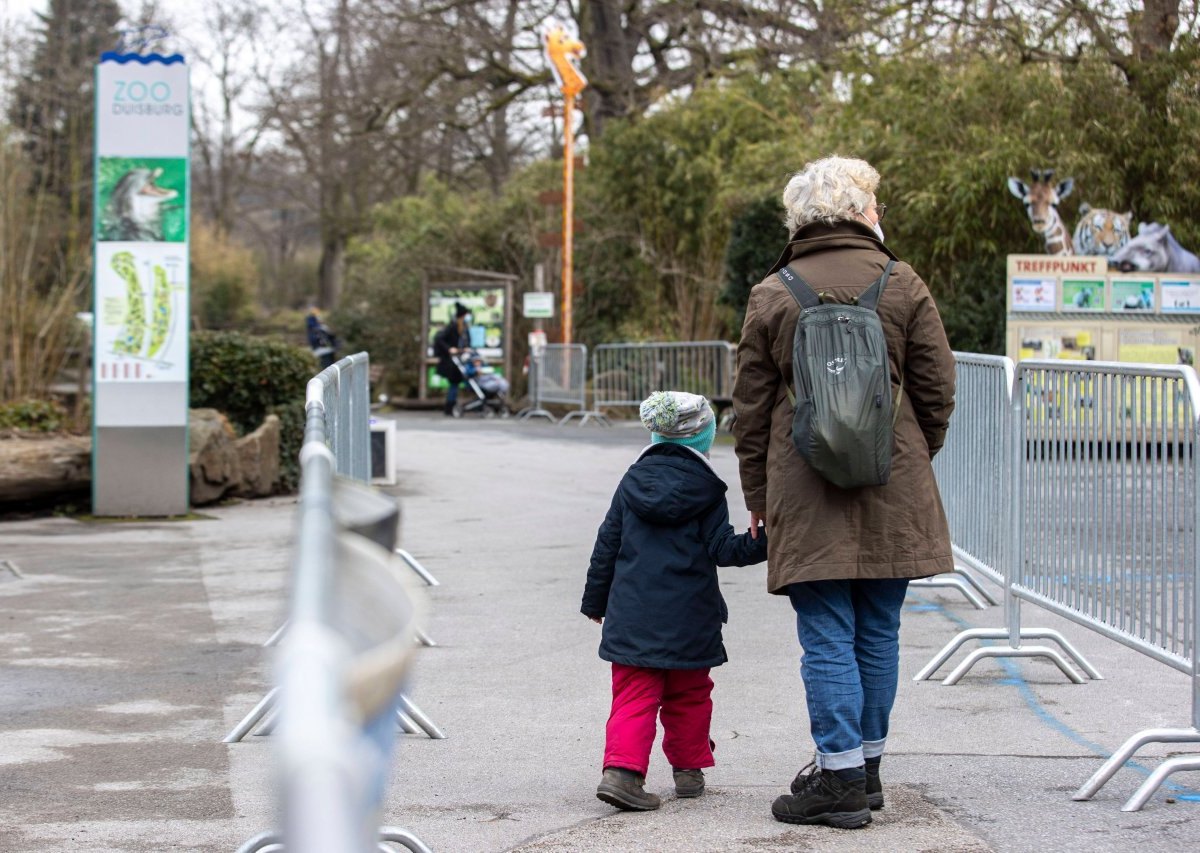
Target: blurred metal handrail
x=324 y=784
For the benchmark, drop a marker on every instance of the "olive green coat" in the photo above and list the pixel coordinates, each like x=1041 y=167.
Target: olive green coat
x=816 y=530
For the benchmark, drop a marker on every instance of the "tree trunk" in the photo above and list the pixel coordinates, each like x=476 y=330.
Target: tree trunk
x=331 y=271
x=608 y=64
x=33 y=469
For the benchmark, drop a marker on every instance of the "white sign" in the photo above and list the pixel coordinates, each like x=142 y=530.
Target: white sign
x=537 y=342
x=1180 y=295
x=538 y=306
x=142 y=106
x=1034 y=294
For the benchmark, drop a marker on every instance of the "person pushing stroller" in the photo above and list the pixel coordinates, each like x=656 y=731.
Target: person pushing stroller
x=652 y=584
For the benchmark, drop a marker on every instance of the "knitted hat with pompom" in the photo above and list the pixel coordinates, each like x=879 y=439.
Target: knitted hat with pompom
x=678 y=417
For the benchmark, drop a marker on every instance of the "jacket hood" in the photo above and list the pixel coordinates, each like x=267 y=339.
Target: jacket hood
x=819 y=237
x=670 y=485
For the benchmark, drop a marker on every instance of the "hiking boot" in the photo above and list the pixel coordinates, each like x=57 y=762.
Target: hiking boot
x=874 y=786
x=623 y=788
x=821 y=796
x=688 y=783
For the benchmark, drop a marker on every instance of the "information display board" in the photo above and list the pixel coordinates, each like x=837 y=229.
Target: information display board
x=489 y=329
x=140 y=285
x=1074 y=307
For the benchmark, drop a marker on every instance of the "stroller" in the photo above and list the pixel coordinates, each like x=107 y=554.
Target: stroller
x=490 y=388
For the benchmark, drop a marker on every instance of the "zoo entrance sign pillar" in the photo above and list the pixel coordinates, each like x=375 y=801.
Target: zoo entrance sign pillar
x=140 y=286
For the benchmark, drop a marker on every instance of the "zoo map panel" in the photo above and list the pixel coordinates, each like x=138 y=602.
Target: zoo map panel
x=141 y=312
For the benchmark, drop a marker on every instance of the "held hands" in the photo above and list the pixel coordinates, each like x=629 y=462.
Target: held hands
x=757 y=521
x=599 y=620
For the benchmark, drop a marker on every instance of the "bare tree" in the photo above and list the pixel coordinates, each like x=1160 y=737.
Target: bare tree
x=227 y=132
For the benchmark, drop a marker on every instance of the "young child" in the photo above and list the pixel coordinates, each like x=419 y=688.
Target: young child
x=652 y=583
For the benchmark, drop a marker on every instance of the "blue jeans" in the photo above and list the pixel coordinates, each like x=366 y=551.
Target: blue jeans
x=850 y=633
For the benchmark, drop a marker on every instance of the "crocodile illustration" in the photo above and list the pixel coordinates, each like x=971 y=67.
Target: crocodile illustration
x=135 y=209
x=129 y=340
x=160 y=319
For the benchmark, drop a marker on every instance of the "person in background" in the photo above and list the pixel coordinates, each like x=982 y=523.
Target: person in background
x=321 y=339
x=652 y=584
x=454 y=337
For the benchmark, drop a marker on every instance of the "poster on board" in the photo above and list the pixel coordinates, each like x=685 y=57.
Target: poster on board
x=1075 y=343
x=1083 y=294
x=1180 y=295
x=1157 y=345
x=487 y=329
x=1132 y=294
x=1034 y=294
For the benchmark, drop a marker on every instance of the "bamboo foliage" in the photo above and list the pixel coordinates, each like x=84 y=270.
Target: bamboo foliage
x=39 y=333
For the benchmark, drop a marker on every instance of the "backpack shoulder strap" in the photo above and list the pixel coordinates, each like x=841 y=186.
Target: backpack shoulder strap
x=870 y=297
x=804 y=295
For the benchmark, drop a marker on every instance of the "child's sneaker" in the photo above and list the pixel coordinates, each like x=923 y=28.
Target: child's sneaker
x=688 y=783
x=623 y=788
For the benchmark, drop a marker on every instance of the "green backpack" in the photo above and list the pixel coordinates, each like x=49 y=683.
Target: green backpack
x=844 y=413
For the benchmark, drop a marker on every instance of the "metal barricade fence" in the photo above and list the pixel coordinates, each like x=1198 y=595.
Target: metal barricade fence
x=559 y=375
x=344 y=392
x=626 y=374
x=970 y=474
x=1104 y=528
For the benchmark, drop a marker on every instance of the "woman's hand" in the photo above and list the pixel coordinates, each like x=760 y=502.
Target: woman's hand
x=755 y=520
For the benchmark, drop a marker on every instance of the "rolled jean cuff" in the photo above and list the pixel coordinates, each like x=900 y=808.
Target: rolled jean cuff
x=840 y=760
x=873 y=748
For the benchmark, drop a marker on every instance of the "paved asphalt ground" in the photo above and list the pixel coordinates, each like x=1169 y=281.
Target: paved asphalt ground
x=127 y=650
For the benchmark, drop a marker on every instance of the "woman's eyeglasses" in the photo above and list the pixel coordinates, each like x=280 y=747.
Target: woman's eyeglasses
x=880 y=211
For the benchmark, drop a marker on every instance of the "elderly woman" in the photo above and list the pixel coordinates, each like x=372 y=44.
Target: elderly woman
x=844 y=556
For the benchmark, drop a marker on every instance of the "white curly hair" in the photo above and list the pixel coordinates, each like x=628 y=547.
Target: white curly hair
x=829 y=190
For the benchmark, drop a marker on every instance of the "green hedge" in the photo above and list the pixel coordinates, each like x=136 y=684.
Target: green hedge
x=33 y=415
x=249 y=378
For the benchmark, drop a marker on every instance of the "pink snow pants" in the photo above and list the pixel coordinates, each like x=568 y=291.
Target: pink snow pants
x=680 y=697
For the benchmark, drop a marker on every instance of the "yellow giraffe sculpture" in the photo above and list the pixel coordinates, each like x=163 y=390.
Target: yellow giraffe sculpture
x=563 y=52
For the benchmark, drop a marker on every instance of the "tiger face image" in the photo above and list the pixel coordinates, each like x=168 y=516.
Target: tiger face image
x=1101 y=232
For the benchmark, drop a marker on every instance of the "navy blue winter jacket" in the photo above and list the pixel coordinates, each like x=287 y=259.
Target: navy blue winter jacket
x=653 y=572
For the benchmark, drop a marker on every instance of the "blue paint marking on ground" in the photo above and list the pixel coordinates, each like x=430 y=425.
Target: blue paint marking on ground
x=1014 y=677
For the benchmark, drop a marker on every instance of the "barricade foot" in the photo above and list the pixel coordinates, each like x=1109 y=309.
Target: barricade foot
x=263 y=842
x=957 y=642
x=1009 y=652
x=277 y=636
x=403 y=837
x=584 y=417
x=983 y=591
x=424 y=639
x=418 y=716
x=268 y=725
x=406 y=724
x=530 y=414
x=1160 y=774
x=955 y=582
x=423 y=572
x=251 y=720
x=1117 y=760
